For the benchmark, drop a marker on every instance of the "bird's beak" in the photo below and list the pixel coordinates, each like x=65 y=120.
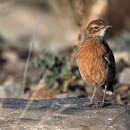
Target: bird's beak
x=103 y=31
x=108 y=26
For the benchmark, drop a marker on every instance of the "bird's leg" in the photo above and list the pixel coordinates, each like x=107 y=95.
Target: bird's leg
x=90 y=102
x=104 y=95
x=94 y=92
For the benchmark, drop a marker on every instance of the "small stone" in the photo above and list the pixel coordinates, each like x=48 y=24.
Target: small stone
x=109 y=119
x=124 y=76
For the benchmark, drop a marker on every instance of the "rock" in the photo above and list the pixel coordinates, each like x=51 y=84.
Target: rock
x=11 y=91
x=44 y=93
x=124 y=76
x=64 y=114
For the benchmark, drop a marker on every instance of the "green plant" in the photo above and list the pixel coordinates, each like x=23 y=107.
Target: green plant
x=59 y=73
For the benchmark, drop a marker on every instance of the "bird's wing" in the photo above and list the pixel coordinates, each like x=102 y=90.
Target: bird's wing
x=109 y=58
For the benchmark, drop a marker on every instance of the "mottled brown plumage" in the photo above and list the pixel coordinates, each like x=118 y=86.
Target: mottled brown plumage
x=95 y=59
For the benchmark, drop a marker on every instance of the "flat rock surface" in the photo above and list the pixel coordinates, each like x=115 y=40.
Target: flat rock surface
x=61 y=114
x=124 y=76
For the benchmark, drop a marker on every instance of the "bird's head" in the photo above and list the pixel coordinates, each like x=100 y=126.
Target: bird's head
x=97 y=28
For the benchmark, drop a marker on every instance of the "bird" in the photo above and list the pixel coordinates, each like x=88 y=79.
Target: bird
x=95 y=59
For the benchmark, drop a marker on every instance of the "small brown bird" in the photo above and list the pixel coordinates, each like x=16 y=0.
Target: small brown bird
x=95 y=59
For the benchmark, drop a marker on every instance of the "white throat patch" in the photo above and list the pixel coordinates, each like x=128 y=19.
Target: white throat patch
x=102 y=32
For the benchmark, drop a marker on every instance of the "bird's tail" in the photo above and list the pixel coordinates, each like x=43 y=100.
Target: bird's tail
x=109 y=90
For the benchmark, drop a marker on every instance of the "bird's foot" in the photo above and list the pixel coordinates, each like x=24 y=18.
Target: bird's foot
x=88 y=104
x=97 y=104
x=100 y=104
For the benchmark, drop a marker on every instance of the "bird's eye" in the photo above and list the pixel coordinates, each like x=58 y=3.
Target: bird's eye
x=95 y=27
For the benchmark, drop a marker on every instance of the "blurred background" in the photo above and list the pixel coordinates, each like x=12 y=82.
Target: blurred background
x=38 y=39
